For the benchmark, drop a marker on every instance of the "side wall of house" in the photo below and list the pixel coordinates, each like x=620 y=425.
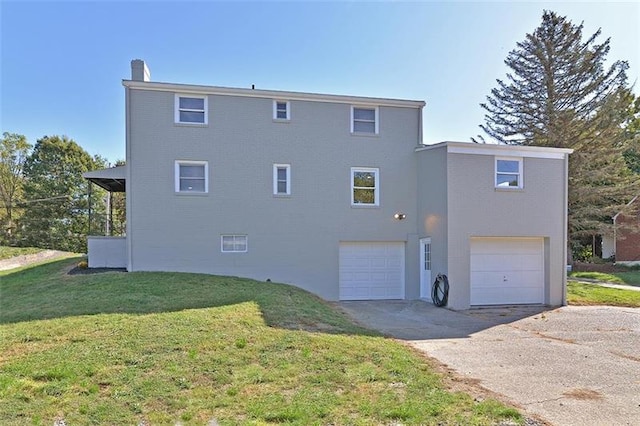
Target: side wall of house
x=432 y=206
x=291 y=239
x=476 y=208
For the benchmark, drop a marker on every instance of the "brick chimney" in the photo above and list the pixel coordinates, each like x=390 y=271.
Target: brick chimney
x=139 y=71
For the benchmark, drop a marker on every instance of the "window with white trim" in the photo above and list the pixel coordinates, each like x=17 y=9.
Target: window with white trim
x=281 y=110
x=508 y=172
x=191 y=176
x=364 y=120
x=281 y=179
x=191 y=109
x=365 y=186
x=233 y=243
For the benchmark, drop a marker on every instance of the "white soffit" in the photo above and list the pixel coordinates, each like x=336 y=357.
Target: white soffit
x=501 y=150
x=509 y=150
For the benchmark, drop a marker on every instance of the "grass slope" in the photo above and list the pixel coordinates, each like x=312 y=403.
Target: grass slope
x=627 y=278
x=590 y=294
x=9 y=252
x=163 y=348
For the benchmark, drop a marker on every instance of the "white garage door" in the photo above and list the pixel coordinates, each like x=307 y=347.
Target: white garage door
x=371 y=271
x=507 y=271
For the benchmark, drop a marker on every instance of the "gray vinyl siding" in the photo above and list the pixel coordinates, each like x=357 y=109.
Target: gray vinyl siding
x=291 y=239
x=477 y=209
x=295 y=239
x=432 y=210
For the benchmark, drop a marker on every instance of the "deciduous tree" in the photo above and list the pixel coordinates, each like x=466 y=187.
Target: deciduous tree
x=56 y=196
x=14 y=149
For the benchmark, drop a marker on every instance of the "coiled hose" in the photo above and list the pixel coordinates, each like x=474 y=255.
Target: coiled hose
x=440 y=290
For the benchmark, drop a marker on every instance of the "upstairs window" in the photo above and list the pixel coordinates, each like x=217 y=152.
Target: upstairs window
x=364 y=120
x=191 y=177
x=508 y=172
x=281 y=179
x=281 y=110
x=191 y=109
x=365 y=187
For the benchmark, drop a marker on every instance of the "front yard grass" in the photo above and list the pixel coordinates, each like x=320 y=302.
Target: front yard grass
x=9 y=252
x=627 y=278
x=590 y=294
x=167 y=348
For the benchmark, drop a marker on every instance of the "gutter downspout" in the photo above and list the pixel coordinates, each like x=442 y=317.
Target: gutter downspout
x=128 y=206
x=565 y=229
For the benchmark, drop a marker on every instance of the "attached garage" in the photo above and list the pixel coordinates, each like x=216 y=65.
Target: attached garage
x=371 y=270
x=506 y=271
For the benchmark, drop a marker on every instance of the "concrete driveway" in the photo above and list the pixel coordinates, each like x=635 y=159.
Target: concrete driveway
x=571 y=366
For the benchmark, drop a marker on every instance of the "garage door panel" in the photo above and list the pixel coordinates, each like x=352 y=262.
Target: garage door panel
x=371 y=271
x=513 y=296
x=378 y=263
x=531 y=262
x=506 y=271
x=514 y=280
x=504 y=245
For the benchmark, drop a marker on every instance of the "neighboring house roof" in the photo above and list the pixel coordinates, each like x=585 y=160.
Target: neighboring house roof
x=111 y=179
x=633 y=200
x=270 y=94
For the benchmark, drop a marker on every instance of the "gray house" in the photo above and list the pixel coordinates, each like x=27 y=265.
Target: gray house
x=334 y=194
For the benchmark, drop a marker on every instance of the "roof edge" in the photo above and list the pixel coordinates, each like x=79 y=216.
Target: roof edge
x=495 y=149
x=270 y=94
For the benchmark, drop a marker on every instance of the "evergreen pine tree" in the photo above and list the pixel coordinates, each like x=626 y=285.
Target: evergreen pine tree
x=560 y=94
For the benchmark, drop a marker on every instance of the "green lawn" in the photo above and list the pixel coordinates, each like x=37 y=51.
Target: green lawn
x=163 y=348
x=8 y=252
x=590 y=294
x=627 y=278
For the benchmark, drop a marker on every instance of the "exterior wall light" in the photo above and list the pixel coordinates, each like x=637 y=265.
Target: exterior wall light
x=399 y=216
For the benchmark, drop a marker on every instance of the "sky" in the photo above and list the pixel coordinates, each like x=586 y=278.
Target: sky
x=62 y=63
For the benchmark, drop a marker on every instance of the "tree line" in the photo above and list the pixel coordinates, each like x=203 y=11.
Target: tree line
x=560 y=92
x=44 y=200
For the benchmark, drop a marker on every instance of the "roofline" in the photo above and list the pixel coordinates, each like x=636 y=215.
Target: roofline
x=270 y=94
x=116 y=172
x=495 y=149
x=633 y=200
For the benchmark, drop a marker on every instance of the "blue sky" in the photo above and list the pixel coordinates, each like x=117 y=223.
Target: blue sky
x=62 y=62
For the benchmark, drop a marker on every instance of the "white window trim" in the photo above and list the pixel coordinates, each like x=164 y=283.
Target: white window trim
x=376 y=192
x=177 y=109
x=519 y=174
x=287 y=167
x=275 y=110
x=377 y=119
x=246 y=243
x=179 y=163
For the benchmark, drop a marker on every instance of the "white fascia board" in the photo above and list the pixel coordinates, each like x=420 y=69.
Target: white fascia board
x=270 y=94
x=117 y=172
x=500 y=150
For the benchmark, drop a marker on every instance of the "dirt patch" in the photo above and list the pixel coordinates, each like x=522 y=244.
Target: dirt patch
x=88 y=271
x=583 y=394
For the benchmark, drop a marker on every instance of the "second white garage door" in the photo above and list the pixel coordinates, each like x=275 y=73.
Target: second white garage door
x=507 y=271
x=371 y=270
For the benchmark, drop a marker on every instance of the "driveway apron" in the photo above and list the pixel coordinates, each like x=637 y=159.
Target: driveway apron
x=571 y=366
